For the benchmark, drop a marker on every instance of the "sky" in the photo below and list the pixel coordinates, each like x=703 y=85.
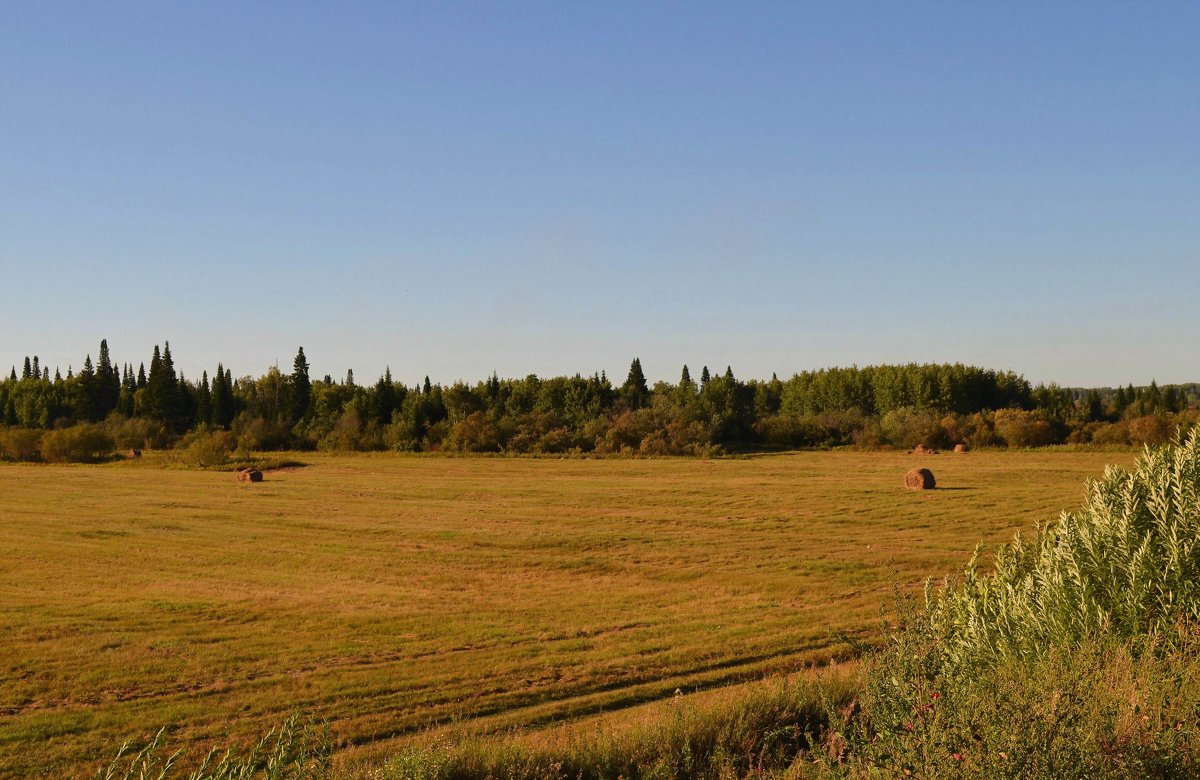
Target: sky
x=451 y=189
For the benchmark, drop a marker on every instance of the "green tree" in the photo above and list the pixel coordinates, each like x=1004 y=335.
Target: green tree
x=86 y=401
x=222 y=398
x=204 y=400
x=300 y=388
x=634 y=392
x=164 y=401
x=108 y=382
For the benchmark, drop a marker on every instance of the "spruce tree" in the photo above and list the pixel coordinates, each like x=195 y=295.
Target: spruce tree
x=85 y=402
x=26 y=372
x=300 y=387
x=107 y=380
x=37 y=372
x=705 y=378
x=141 y=375
x=1093 y=408
x=222 y=398
x=426 y=388
x=349 y=377
x=12 y=377
x=163 y=396
x=687 y=388
x=634 y=391
x=203 y=400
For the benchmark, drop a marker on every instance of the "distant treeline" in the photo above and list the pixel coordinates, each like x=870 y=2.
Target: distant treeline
x=876 y=406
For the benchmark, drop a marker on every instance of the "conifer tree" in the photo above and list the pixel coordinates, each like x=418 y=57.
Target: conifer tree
x=26 y=372
x=1093 y=408
x=634 y=391
x=349 y=377
x=141 y=376
x=12 y=377
x=86 y=402
x=125 y=402
x=203 y=400
x=163 y=397
x=107 y=381
x=37 y=372
x=222 y=398
x=704 y=376
x=426 y=388
x=687 y=388
x=300 y=387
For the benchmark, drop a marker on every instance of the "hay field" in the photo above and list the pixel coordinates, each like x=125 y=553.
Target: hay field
x=390 y=594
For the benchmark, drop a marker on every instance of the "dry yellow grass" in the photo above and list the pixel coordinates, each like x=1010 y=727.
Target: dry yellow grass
x=390 y=594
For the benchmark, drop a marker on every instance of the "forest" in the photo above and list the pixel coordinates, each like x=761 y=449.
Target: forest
x=106 y=406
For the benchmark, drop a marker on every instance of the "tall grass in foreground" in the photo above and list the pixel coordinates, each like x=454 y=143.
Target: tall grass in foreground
x=293 y=751
x=1125 y=565
x=760 y=730
x=1078 y=657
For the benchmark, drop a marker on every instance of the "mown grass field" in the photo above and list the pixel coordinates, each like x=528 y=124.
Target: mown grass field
x=391 y=594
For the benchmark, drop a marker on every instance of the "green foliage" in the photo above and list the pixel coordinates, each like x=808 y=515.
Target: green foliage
x=205 y=449
x=1126 y=564
x=1077 y=657
x=1103 y=708
x=79 y=444
x=937 y=405
x=20 y=444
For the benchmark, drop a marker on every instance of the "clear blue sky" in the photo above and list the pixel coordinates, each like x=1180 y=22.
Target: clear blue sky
x=452 y=188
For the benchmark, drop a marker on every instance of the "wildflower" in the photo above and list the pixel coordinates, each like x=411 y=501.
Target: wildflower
x=958 y=756
x=935 y=695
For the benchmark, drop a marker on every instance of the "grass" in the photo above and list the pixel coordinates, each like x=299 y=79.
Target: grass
x=390 y=595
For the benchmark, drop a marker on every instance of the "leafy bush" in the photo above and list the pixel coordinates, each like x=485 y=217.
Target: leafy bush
x=205 y=449
x=1100 y=709
x=78 y=444
x=1078 y=657
x=1019 y=428
x=1150 y=430
x=1127 y=564
x=907 y=427
x=135 y=433
x=19 y=443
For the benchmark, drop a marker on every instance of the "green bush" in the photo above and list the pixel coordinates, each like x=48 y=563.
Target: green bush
x=20 y=444
x=1077 y=657
x=906 y=427
x=135 y=433
x=78 y=444
x=206 y=449
x=1127 y=563
x=1102 y=708
x=1019 y=428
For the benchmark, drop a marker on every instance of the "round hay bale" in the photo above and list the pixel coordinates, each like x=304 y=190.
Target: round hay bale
x=919 y=479
x=134 y=454
x=249 y=475
x=961 y=448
